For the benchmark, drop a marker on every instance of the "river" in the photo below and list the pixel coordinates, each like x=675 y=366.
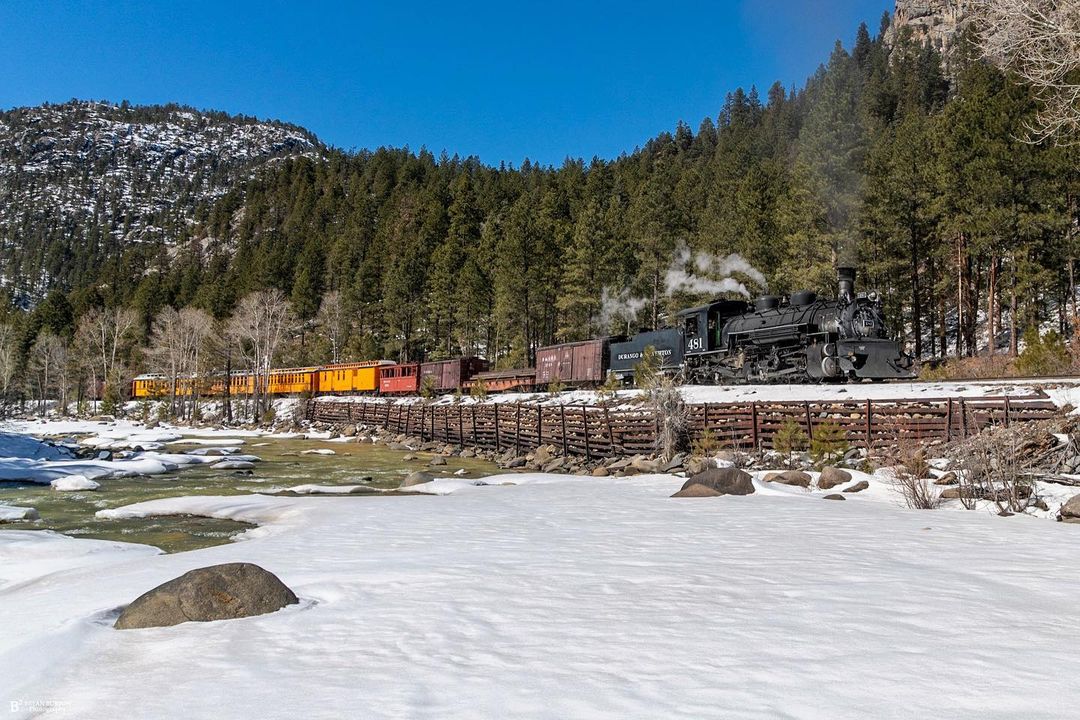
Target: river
x=284 y=465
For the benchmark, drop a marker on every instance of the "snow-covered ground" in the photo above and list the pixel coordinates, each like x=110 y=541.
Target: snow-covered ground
x=1065 y=389
x=564 y=598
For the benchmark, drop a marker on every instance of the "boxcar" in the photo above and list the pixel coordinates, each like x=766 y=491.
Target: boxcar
x=449 y=375
x=401 y=378
x=577 y=363
x=350 y=377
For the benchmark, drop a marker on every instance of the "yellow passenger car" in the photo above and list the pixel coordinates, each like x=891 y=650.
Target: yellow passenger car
x=291 y=381
x=150 y=386
x=350 y=377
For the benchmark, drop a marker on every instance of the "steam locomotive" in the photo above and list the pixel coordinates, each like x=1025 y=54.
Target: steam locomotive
x=797 y=339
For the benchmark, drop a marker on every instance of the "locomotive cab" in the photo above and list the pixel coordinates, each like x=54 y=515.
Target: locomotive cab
x=703 y=326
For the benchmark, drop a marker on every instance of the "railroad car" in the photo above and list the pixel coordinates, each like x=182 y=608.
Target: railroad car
x=576 y=363
x=292 y=381
x=514 y=380
x=150 y=385
x=400 y=379
x=359 y=377
x=448 y=375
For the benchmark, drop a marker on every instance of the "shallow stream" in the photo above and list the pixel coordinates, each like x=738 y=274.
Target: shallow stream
x=283 y=465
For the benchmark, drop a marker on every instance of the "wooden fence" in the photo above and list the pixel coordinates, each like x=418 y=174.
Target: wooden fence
x=607 y=432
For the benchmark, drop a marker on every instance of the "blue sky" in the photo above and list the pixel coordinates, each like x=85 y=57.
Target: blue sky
x=501 y=80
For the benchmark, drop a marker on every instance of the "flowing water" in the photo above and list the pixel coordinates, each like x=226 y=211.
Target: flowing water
x=283 y=465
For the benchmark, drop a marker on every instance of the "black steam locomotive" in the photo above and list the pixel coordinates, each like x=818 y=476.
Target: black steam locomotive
x=795 y=339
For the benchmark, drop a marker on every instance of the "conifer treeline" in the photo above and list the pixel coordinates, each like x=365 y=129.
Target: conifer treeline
x=928 y=185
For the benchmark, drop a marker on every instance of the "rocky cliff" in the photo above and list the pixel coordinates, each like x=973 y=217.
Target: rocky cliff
x=936 y=21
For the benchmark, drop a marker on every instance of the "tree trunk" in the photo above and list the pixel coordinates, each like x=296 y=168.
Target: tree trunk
x=991 y=315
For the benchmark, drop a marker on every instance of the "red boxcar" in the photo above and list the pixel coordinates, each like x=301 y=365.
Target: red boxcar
x=403 y=378
x=451 y=374
x=577 y=363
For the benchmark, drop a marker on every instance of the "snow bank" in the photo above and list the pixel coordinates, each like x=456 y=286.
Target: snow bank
x=12 y=513
x=567 y=598
x=74 y=483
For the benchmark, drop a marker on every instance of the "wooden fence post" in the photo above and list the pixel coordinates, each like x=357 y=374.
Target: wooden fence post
x=963 y=419
x=610 y=430
x=472 y=430
x=756 y=431
x=585 y=424
x=809 y=423
x=539 y=426
x=498 y=443
x=1006 y=404
x=948 y=420
x=869 y=425
x=562 y=418
x=517 y=431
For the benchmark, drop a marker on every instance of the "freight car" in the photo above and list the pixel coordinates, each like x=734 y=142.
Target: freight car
x=576 y=363
x=449 y=375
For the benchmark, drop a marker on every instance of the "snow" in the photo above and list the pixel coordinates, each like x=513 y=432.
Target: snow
x=74 y=483
x=565 y=597
x=1059 y=389
x=12 y=513
x=318 y=451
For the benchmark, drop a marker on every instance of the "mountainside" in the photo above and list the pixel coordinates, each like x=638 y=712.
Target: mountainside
x=82 y=181
x=937 y=22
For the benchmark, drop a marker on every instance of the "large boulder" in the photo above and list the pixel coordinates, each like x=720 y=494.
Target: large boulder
x=218 y=592
x=697 y=490
x=790 y=477
x=416 y=478
x=725 y=481
x=1070 y=511
x=831 y=477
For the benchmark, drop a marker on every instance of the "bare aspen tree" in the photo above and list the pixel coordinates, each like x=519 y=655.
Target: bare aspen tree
x=257 y=328
x=197 y=327
x=8 y=357
x=108 y=332
x=177 y=350
x=48 y=361
x=1039 y=40
x=332 y=322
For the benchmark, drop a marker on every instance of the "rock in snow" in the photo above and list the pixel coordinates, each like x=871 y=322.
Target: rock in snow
x=219 y=592
x=417 y=478
x=723 y=481
x=74 y=483
x=831 y=477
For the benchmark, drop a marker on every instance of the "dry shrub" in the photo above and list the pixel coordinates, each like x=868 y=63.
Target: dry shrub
x=666 y=400
x=911 y=470
x=1000 y=464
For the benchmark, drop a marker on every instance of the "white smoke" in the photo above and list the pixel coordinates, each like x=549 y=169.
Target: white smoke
x=699 y=273
x=619 y=306
x=705 y=273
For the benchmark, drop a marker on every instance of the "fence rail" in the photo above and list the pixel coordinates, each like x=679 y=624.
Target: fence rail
x=598 y=432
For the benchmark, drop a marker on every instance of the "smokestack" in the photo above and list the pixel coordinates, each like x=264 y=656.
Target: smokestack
x=846 y=281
